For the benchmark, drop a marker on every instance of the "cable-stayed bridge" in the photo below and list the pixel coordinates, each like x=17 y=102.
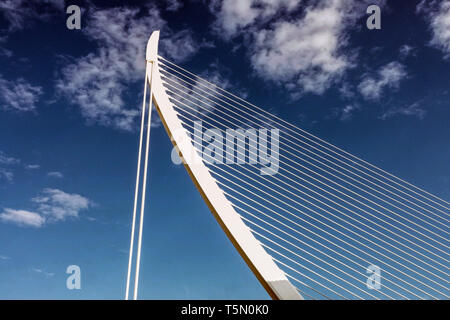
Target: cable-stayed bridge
x=311 y=220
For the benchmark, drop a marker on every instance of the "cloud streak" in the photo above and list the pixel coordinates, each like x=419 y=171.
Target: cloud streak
x=6 y=174
x=32 y=166
x=7 y=160
x=46 y=274
x=414 y=110
x=173 y=5
x=22 y=218
x=55 y=174
x=388 y=76
x=53 y=206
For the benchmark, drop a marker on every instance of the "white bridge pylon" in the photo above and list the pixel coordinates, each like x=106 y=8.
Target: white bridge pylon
x=260 y=262
x=318 y=222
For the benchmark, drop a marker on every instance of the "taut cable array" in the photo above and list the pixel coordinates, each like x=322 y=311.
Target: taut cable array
x=325 y=216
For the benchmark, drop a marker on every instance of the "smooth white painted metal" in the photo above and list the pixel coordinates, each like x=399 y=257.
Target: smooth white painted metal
x=260 y=262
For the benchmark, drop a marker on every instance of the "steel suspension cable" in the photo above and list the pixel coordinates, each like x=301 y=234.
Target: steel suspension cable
x=136 y=190
x=362 y=210
x=222 y=112
x=307 y=149
x=358 y=235
x=372 y=209
x=327 y=178
x=309 y=134
x=377 y=259
x=144 y=186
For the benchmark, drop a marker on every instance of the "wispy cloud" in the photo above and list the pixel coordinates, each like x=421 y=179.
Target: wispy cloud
x=235 y=16
x=181 y=46
x=4 y=257
x=6 y=174
x=8 y=160
x=18 y=95
x=46 y=274
x=347 y=112
x=5 y=52
x=97 y=81
x=406 y=50
x=22 y=218
x=173 y=5
x=32 y=166
x=388 y=76
x=438 y=16
x=53 y=206
x=20 y=13
x=347 y=90
x=55 y=174
x=414 y=110
x=57 y=205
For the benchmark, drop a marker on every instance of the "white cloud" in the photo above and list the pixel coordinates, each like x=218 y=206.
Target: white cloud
x=406 y=50
x=346 y=90
x=32 y=166
x=173 y=5
x=55 y=174
x=4 y=257
x=304 y=52
x=5 y=52
x=19 y=13
x=438 y=14
x=47 y=274
x=6 y=174
x=414 y=110
x=97 y=82
x=53 y=206
x=388 y=76
x=22 y=218
x=15 y=13
x=8 y=160
x=300 y=53
x=233 y=16
x=18 y=95
x=57 y=205
x=347 y=112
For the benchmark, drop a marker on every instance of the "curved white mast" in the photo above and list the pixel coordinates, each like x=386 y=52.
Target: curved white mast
x=260 y=262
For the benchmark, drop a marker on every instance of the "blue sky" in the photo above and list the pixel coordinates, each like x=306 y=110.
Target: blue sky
x=69 y=114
